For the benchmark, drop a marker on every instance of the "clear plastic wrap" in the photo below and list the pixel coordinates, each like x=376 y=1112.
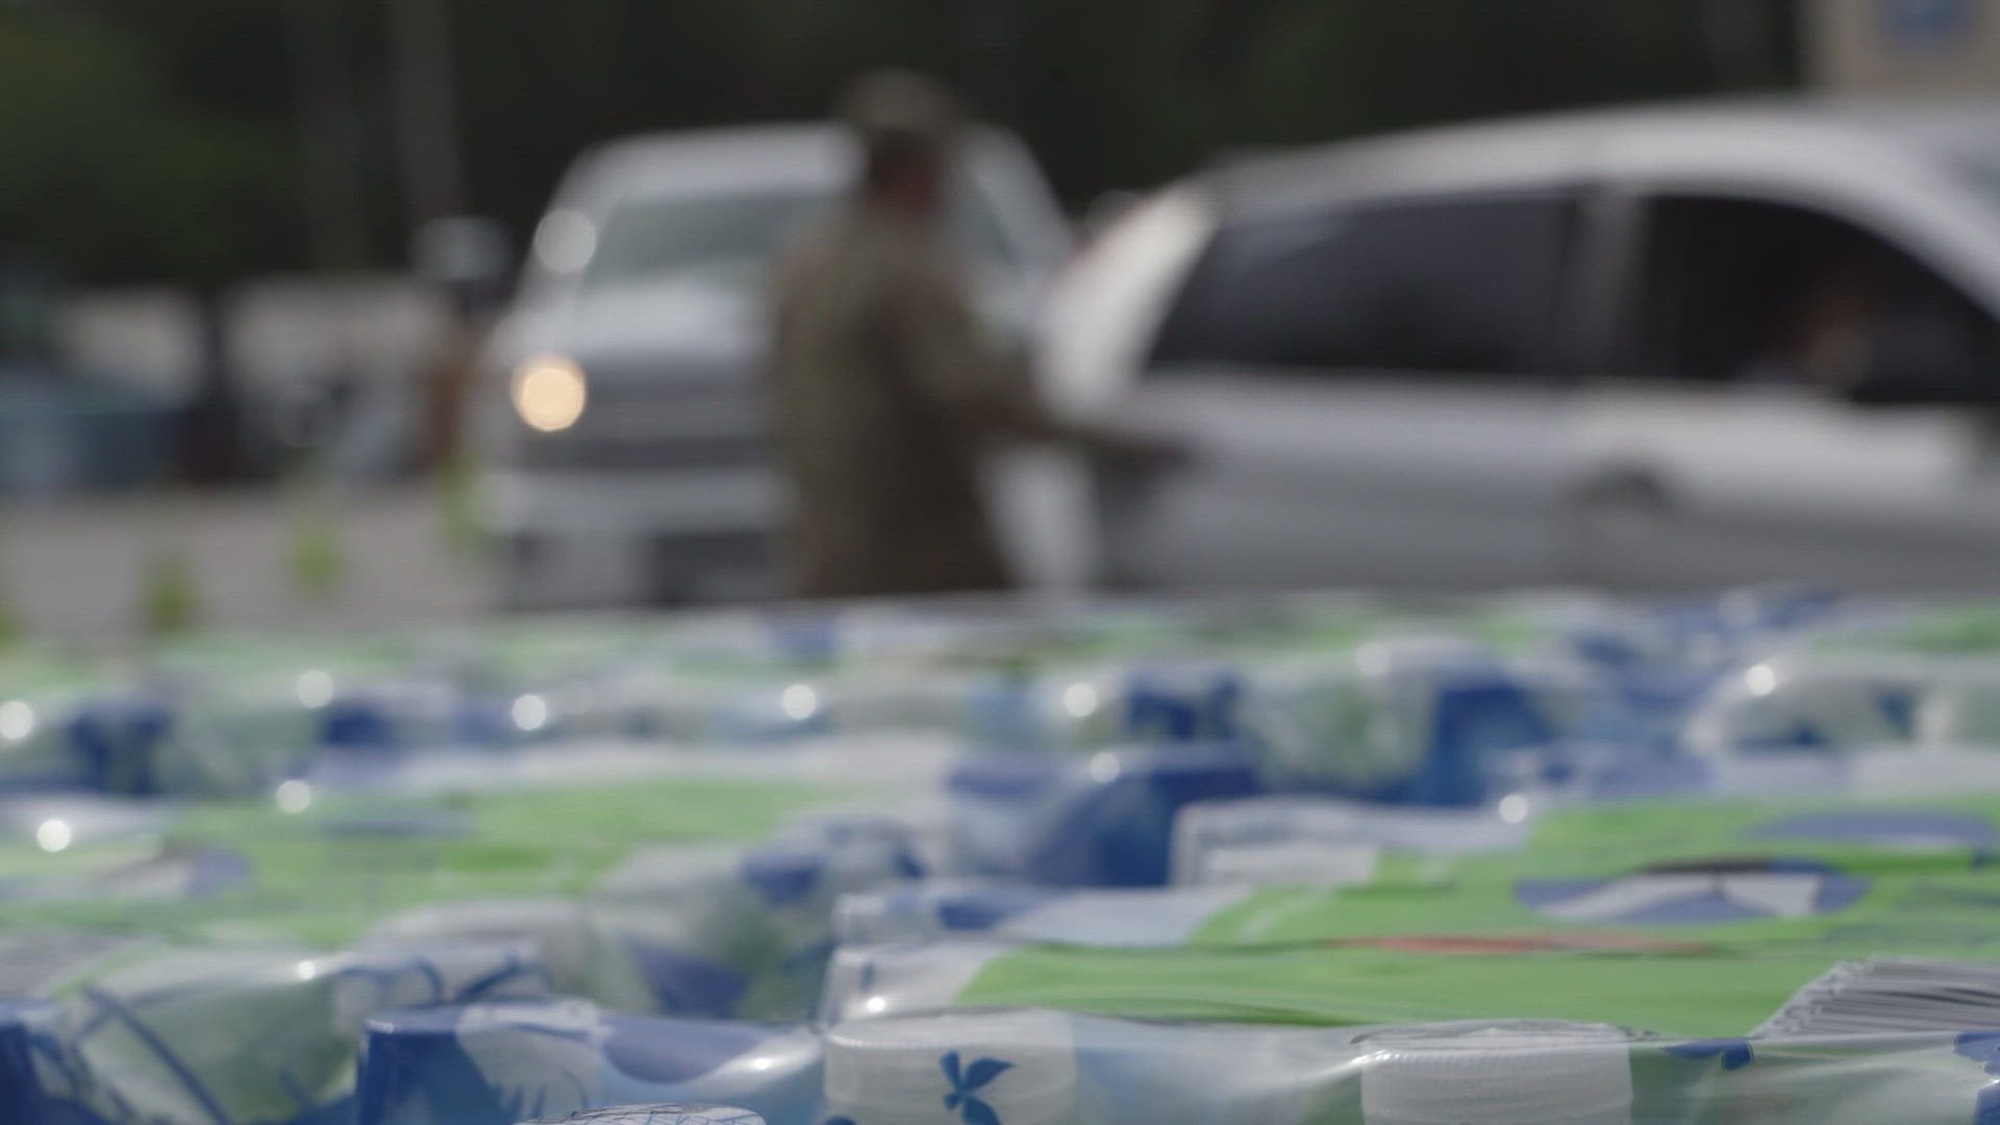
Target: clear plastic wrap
x=502 y=1064
x=193 y=1037
x=460 y=1068
x=697 y=930
x=1318 y=840
x=658 y=1115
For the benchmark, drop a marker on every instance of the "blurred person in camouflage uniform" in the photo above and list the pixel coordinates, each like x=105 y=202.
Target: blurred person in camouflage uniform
x=886 y=394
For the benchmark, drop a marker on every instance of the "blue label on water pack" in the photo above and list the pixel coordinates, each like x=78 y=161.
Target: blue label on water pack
x=1116 y=829
x=117 y=742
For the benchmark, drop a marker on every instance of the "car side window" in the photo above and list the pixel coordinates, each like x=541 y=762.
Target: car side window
x=1752 y=291
x=1455 y=287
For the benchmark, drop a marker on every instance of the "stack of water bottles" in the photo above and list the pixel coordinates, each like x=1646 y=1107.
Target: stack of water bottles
x=1312 y=858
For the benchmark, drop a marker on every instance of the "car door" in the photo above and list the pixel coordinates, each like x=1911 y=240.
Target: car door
x=1740 y=451
x=1366 y=394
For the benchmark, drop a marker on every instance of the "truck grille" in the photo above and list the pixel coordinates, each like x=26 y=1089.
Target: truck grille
x=663 y=425
x=637 y=454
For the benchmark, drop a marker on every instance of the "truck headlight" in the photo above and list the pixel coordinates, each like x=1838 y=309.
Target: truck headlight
x=550 y=393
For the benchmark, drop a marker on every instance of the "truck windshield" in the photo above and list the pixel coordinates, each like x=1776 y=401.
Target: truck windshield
x=729 y=239
x=726 y=239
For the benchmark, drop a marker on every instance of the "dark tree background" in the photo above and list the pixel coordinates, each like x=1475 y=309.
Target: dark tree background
x=202 y=140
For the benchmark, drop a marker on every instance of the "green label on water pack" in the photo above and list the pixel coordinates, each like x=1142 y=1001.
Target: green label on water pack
x=1969 y=630
x=1712 y=954
x=327 y=873
x=1689 y=919
x=1738 y=872
x=1666 y=988
x=1943 y=835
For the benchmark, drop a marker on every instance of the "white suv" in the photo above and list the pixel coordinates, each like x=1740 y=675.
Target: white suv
x=1687 y=346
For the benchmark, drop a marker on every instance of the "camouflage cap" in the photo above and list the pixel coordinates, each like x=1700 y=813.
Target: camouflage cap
x=899 y=110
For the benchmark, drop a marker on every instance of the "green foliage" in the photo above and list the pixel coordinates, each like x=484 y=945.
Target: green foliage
x=110 y=178
x=158 y=137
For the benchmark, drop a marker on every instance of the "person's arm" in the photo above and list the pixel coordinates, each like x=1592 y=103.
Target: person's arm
x=985 y=399
x=937 y=337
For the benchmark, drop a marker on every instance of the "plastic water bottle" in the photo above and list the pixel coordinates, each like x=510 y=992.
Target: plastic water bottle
x=1417 y=720
x=865 y=981
x=658 y=1115
x=38 y=1077
x=192 y=1035
x=1497 y=1074
x=1938 y=1077
x=934 y=908
x=1812 y=705
x=1319 y=840
x=498 y=1064
x=1106 y=820
x=1084 y=709
x=1015 y=1067
x=1962 y=707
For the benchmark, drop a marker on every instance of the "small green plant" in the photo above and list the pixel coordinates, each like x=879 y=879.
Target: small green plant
x=314 y=558
x=457 y=505
x=169 y=603
x=11 y=629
